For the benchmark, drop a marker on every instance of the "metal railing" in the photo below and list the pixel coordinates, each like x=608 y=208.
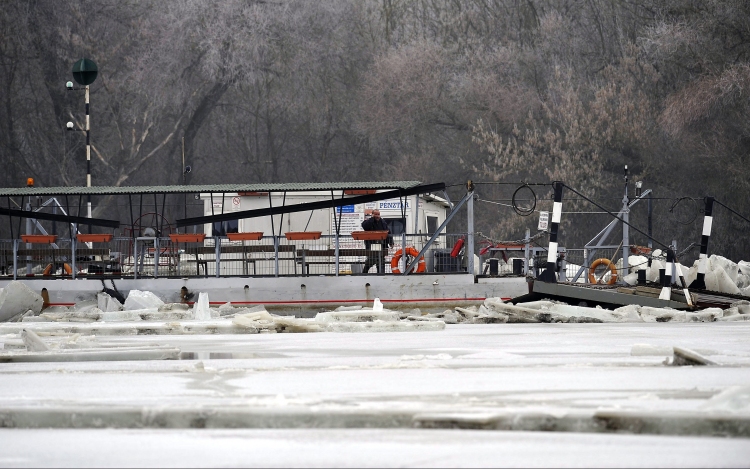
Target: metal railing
x=273 y=256
x=220 y=257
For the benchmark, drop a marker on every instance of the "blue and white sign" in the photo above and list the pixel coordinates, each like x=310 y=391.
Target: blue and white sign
x=345 y=209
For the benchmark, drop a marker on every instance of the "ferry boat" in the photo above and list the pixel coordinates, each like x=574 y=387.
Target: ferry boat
x=291 y=247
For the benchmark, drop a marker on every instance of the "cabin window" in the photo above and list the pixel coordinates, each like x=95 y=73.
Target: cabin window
x=221 y=228
x=396 y=225
x=432 y=224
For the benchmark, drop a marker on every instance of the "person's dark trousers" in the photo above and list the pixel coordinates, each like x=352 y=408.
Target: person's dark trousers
x=374 y=258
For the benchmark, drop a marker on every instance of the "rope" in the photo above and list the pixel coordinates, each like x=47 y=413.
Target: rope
x=692 y=245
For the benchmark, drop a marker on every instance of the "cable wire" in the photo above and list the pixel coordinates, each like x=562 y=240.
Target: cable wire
x=615 y=216
x=731 y=210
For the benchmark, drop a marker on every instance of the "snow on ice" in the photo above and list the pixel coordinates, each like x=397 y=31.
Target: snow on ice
x=629 y=381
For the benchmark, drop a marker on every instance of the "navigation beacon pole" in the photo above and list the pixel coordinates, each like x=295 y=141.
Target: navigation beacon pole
x=88 y=152
x=85 y=72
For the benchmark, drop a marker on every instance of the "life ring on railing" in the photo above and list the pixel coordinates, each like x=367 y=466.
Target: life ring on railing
x=50 y=267
x=606 y=263
x=457 y=247
x=410 y=251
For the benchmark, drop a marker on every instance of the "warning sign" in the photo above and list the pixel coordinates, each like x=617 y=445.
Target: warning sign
x=349 y=222
x=543 y=221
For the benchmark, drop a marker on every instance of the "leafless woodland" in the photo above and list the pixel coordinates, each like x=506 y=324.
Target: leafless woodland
x=497 y=91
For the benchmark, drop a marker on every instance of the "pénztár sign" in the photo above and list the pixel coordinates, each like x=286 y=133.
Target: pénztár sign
x=393 y=204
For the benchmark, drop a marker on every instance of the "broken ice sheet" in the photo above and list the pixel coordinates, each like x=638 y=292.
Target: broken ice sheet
x=32 y=341
x=17 y=298
x=359 y=315
x=202 y=312
x=142 y=300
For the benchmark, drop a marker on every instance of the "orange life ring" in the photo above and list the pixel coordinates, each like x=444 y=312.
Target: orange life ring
x=606 y=263
x=410 y=251
x=48 y=270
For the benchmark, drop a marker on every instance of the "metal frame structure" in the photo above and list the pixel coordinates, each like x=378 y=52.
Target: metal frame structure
x=135 y=195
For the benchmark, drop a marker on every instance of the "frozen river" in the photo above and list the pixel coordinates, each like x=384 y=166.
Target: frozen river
x=470 y=395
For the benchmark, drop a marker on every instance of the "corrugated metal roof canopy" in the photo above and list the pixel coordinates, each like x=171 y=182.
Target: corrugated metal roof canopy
x=214 y=188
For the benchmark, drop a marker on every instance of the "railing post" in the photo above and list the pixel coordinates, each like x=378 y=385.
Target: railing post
x=156 y=257
x=136 y=256
x=402 y=264
x=73 y=247
x=337 y=252
x=217 y=250
x=276 y=253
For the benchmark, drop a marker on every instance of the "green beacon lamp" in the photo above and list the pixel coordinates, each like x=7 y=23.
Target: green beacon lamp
x=85 y=72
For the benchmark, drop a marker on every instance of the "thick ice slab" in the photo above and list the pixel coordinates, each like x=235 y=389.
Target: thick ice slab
x=16 y=299
x=142 y=300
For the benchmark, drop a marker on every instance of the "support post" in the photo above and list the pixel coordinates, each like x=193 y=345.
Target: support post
x=437 y=232
x=336 y=248
x=470 y=229
x=666 y=288
x=526 y=252
x=625 y=229
x=28 y=231
x=549 y=275
x=602 y=236
x=700 y=281
x=15 y=259
x=416 y=214
x=73 y=246
x=88 y=154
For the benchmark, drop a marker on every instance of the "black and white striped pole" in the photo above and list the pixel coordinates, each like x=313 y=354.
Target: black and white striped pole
x=666 y=287
x=700 y=280
x=88 y=150
x=549 y=273
x=85 y=72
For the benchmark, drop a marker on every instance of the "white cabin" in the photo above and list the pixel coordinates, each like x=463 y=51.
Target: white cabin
x=421 y=215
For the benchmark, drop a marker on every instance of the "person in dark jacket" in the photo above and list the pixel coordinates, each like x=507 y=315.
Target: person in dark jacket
x=376 y=257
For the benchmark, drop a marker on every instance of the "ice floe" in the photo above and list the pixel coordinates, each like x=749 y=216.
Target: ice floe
x=16 y=299
x=722 y=275
x=495 y=310
x=142 y=300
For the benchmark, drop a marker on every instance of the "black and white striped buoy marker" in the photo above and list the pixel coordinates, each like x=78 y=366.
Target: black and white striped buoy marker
x=549 y=273
x=700 y=280
x=666 y=288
